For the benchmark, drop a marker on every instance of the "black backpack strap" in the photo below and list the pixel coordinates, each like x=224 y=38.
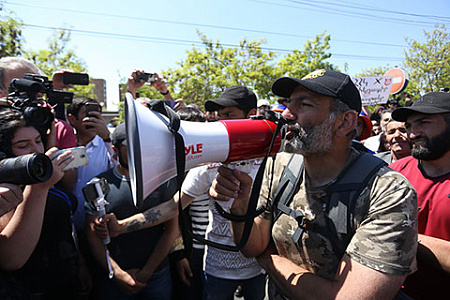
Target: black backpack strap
x=288 y=185
x=343 y=194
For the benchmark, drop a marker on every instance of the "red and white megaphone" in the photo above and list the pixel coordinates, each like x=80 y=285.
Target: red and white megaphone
x=151 y=146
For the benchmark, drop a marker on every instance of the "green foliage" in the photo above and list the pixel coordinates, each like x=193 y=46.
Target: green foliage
x=302 y=62
x=58 y=57
x=378 y=71
x=428 y=63
x=205 y=73
x=10 y=34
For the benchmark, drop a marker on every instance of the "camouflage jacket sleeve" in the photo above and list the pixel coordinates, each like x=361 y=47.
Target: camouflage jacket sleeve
x=386 y=230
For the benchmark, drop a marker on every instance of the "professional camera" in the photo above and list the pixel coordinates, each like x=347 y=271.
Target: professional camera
x=24 y=96
x=25 y=169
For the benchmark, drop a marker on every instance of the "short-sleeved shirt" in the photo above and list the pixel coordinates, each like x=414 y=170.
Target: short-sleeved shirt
x=433 y=197
x=133 y=249
x=100 y=156
x=219 y=263
x=385 y=219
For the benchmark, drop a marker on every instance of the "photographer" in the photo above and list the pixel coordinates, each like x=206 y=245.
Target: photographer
x=61 y=134
x=36 y=237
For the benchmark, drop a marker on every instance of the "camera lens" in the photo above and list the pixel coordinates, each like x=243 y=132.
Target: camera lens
x=41 y=117
x=26 y=169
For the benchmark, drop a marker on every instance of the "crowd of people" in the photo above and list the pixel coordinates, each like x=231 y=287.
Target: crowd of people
x=354 y=207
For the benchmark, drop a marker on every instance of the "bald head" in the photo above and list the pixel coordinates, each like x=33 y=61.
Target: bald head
x=14 y=67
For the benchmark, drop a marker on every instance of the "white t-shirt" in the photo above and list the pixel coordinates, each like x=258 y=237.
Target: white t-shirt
x=217 y=262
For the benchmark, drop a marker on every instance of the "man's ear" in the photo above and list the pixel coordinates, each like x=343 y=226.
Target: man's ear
x=116 y=152
x=70 y=118
x=346 y=122
x=252 y=112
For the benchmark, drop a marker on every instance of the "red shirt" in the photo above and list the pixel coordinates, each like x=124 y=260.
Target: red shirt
x=433 y=198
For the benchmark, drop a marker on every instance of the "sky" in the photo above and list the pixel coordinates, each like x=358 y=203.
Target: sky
x=115 y=37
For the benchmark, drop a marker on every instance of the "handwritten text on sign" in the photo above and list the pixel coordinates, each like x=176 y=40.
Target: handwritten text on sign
x=373 y=90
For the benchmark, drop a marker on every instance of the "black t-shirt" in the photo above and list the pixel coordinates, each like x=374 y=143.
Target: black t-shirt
x=132 y=250
x=52 y=267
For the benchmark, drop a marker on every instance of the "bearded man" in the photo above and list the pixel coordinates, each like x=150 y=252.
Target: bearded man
x=323 y=110
x=427 y=124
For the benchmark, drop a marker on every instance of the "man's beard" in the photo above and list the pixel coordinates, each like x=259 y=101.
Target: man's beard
x=434 y=148
x=315 y=139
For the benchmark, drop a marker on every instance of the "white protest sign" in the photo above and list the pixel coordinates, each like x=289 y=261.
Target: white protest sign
x=373 y=90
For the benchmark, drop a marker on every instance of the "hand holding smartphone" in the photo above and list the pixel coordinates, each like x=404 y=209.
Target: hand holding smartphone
x=80 y=155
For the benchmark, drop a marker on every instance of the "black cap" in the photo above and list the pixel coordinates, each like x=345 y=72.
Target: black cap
x=325 y=82
x=119 y=135
x=233 y=96
x=430 y=103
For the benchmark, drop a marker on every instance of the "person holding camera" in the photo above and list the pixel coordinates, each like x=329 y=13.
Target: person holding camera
x=138 y=78
x=61 y=134
x=37 y=239
x=84 y=114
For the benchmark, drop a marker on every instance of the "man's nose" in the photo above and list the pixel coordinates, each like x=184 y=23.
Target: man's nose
x=287 y=114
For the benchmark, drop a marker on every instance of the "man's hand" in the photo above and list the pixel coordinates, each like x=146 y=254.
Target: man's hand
x=184 y=271
x=113 y=226
x=232 y=185
x=133 y=85
x=160 y=84
x=97 y=124
x=57 y=78
x=59 y=163
x=10 y=196
x=127 y=281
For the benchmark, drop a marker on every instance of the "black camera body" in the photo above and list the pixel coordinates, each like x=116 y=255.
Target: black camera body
x=24 y=92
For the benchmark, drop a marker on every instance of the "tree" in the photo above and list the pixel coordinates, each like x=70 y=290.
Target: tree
x=205 y=73
x=58 y=57
x=10 y=34
x=313 y=56
x=428 y=63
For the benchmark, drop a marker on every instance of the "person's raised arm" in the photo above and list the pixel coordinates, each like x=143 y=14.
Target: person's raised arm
x=132 y=84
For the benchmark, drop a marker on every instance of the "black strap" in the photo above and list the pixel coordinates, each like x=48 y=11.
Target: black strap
x=173 y=126
x=252 y=210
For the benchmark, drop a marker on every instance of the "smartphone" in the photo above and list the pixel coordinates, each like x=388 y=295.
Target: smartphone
x=75 y=78
x=80 y=160
x=149 y=77
x=90 y=191
x=92 y=106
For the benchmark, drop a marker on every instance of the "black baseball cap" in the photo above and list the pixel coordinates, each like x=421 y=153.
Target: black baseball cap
x=430 y=103
x=233 y=96
x=119 y=135
x=324 y=82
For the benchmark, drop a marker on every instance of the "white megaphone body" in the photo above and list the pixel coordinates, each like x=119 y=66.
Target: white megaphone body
x=151 y=146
